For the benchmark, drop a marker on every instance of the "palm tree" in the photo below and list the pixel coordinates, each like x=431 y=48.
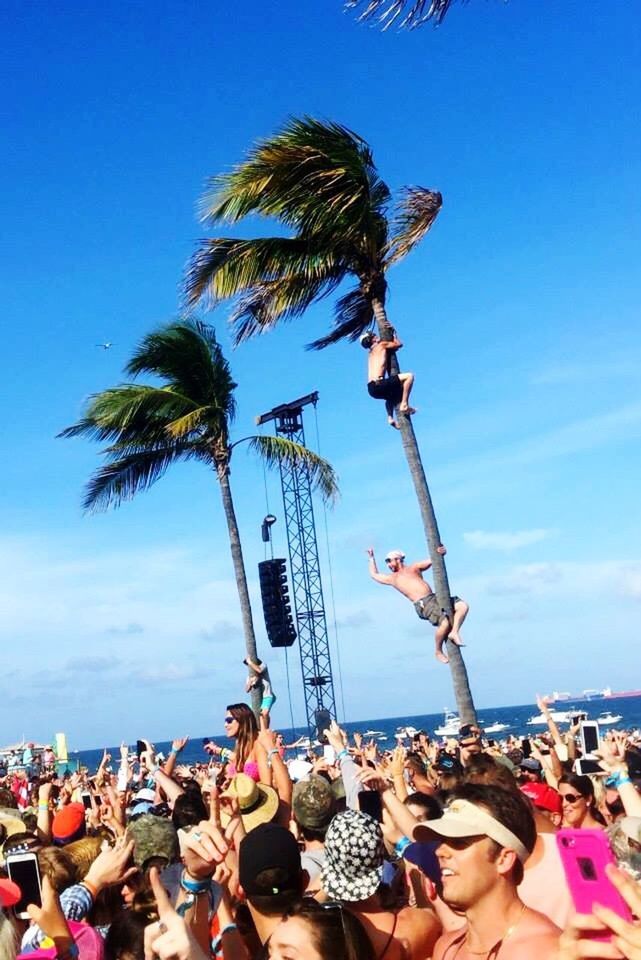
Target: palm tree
x=187 y=417
x=403 y=13
x=319 y=181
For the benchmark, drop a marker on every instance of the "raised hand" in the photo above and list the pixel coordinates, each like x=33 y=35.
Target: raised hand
x=179 y=744
x=49 y=917
x=169 y=938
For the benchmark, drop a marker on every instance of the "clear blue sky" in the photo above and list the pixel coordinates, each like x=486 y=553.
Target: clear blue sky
x=519 y=314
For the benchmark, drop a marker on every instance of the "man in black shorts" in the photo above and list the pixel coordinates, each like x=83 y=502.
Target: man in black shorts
x=394 y=390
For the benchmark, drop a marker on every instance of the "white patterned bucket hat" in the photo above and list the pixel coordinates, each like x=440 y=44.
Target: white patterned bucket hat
x=354 y=855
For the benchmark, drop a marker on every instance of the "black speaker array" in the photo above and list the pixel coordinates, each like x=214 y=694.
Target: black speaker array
x=276 y=605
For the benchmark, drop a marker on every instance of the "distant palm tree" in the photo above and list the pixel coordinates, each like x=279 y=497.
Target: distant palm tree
x=319 y=180
x=402 y=13
x=187 y=417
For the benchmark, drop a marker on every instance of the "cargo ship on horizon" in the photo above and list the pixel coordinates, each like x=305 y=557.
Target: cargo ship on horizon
x=606 y=694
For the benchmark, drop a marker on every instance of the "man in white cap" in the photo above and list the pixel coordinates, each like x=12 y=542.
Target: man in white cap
x=395 y=389
x=408 y=580
x=485 y=836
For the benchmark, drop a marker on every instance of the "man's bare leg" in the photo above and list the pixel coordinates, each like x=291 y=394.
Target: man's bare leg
x=389 y=406
x=461 y=610
x=439 y=639
x=407 y=382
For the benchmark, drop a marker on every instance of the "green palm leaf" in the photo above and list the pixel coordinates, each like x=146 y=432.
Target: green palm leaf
x=415 y=212
x=318 y=177
x=127 y=412
x=353 y=315
x=276 y=450
x=402 y=13
x=222 y=268
x=283 y=299
x=122 y=478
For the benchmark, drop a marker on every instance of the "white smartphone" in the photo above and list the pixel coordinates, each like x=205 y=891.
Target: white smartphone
x=23 y=869
x=590 y=739
x=329 y=754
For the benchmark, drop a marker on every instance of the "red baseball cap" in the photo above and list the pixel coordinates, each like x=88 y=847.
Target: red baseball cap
x=543 y=796
x=9 y=893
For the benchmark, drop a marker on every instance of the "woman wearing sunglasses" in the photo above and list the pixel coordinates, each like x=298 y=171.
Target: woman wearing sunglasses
x=320 y=931
x=248 y=755
x=579 y=804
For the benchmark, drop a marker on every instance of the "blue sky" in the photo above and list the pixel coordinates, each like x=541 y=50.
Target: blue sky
x=519 y=314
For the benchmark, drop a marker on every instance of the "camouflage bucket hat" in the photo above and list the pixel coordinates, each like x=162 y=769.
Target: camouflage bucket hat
x=154 y=837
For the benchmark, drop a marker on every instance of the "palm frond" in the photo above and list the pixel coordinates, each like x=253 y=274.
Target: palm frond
x=187 y=355
x=415 y=212
x=222 y=268
x=353 y=315
x=402 y=13
x=268 y=303
x=122 y=478
x=128 y=413
x=316 y=176
x=276 y=450
x=195 y=421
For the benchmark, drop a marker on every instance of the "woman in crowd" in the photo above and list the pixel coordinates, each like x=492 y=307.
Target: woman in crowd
x=320 y=931
x=579 y=804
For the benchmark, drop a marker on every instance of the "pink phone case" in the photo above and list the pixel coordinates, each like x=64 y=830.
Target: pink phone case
x=585 y=855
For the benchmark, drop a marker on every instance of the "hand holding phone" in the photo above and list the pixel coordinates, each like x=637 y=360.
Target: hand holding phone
x=585 y=854
x=369 y=802
x=23 y=869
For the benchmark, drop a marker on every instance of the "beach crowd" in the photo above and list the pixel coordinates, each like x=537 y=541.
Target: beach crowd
x=453 y=849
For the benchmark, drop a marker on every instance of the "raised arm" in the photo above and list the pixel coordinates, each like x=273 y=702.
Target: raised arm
x=373 y=569
x=421 y=565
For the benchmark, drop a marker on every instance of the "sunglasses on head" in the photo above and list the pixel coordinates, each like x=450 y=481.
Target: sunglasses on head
x=571 y=797
x=228 y=720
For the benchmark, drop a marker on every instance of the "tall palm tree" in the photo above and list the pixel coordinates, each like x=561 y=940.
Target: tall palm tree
x=402 y=13
x=319 y=181
x=186 y=417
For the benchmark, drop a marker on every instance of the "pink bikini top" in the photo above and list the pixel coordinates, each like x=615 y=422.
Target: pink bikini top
x=250 y=768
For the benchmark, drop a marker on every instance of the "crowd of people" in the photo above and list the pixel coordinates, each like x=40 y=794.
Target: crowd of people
x=437 y=849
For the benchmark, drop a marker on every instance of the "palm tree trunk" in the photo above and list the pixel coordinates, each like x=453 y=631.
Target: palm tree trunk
x=222 y=470
x=460 y=682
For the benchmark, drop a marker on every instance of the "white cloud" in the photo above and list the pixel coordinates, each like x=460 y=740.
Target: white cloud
x=483 y=540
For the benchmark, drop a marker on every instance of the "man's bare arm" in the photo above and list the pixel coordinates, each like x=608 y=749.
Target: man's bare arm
x=392 y=344
x=373 y=570
x=420 y=565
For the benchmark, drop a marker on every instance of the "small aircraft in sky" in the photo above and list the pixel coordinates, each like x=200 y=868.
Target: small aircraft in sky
x=106 y=345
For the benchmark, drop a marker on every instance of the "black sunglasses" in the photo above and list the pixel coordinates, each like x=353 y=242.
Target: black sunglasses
x=228 y=720
x=571 y=797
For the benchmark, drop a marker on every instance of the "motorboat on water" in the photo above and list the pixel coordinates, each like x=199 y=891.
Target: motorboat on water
x=374 y=733
x=608 y=718
x=450 y=726
x=496 y=728
x=541 y=719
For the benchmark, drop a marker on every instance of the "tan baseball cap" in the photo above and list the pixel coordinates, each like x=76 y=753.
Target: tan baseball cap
x=465 y=819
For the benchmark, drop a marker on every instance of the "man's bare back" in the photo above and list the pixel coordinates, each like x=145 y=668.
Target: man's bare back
x=377 y=358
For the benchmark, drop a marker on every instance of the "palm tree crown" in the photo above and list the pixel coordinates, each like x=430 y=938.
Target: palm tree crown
x=187 y=416
x=401 y=13
x=318 y=179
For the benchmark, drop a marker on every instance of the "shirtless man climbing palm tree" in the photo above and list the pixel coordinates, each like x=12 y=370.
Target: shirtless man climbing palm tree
x=408 y=580
x=395 y=389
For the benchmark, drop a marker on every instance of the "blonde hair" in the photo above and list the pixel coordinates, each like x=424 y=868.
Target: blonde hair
x=83 y=853
x=8 y=939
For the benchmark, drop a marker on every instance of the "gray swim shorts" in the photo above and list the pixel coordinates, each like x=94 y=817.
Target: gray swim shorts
x=428 y=608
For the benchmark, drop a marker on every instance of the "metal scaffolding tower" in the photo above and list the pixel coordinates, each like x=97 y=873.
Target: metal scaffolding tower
x=307 y=588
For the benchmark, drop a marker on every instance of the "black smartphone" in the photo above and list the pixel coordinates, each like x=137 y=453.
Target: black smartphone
x=526 y=747
x=140 y=747
x=23 y=870
x=86 y=800
x=369 y=802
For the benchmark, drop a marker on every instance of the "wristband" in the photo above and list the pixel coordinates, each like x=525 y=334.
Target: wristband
x=225 y=755
x=90 y=887
x=195 y=886
x=401 y=845
x=342 y=753
x=173 y=753
x=228 y=928
x=616 y=779
x=43 y=805
x=153 y=769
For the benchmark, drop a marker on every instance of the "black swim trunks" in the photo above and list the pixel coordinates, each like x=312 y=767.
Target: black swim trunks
x=386 y=388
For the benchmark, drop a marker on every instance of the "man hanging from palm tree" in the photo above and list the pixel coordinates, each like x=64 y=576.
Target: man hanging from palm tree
x=394 y=389
x=408 y=580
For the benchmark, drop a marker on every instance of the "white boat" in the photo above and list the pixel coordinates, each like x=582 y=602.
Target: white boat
x=496 y=728
x=373 y=733
x=450 y=726
x=608 y=717
x=541 y=719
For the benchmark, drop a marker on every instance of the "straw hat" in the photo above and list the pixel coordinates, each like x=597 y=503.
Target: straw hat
x=257 y=802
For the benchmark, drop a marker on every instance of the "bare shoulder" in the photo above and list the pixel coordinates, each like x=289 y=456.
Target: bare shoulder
x=444 y=942
x=536 y=938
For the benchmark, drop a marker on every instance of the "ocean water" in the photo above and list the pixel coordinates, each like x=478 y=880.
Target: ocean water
x=516 y=717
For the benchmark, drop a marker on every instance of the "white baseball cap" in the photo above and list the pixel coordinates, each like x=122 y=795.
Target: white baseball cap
x=394 y=555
